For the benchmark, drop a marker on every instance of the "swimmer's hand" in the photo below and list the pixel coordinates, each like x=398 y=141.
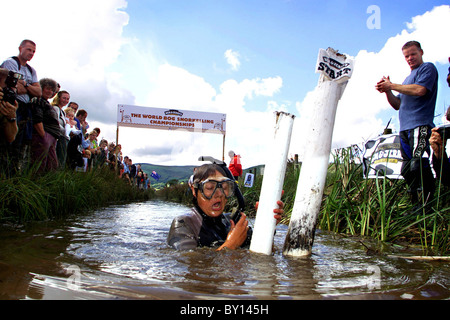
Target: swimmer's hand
x=237 y=234
x=278 y=212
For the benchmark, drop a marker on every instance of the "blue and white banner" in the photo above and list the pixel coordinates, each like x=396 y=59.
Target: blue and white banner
x=171 y=119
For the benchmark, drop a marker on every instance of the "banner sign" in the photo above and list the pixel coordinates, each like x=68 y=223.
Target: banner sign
x=383 y=158
x=170 y=119
x=333 y=65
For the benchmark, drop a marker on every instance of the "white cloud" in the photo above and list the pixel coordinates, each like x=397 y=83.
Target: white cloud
x=75 y=46
x=177 y=88
x=232 y=58
x=86 y=51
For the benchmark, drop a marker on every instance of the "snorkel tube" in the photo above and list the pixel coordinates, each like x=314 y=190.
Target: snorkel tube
x=237 y=191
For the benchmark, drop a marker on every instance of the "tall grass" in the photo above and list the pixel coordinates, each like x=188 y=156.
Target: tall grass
x=179 y=192
x=378 y=208
x=33 y=196
x=381 y=208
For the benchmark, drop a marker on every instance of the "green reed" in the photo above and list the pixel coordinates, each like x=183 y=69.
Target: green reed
x=178 y=192
x=377 y=208
x=380 y=208
x=30 y=195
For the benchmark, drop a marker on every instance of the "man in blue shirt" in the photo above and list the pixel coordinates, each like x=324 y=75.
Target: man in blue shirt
x=27 y=88
x=416 y=104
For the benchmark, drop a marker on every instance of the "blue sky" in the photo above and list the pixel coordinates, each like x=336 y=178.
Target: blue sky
x=244 y=58
x=272 y=37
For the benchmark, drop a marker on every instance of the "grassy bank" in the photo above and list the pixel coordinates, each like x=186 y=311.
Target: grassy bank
x=352 y=205
x=30 y=196
x=381 y=208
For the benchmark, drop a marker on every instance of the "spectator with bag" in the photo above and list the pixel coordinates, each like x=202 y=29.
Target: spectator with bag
x=27 y=88
x=441 y=161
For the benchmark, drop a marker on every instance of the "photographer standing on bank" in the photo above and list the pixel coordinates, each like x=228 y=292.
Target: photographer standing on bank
x=416 y=104
x=8 y=125
x=441 y=162
x=27 y=88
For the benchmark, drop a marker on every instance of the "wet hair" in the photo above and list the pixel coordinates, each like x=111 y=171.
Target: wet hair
x=206 y=170
x=412 y=43
x=202 y=173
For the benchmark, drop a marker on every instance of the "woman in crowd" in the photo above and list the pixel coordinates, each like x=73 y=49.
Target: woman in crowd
x=60 y=101
x=207 y=225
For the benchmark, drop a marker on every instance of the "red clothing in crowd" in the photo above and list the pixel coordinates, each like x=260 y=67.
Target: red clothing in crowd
x=235 y=166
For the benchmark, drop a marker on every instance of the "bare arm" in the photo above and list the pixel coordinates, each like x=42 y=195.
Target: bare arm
x=34 y=89
x=385 y=85
x=393 y=100
x=237 y=234
x=409 y=89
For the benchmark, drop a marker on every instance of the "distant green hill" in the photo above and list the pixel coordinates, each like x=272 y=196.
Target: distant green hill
x=167 y=173
x=180 y=173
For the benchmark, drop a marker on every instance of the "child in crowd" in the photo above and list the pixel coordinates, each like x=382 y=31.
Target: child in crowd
x=70 y=122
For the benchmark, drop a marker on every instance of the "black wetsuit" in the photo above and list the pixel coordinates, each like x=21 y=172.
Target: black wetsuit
x=196 y=229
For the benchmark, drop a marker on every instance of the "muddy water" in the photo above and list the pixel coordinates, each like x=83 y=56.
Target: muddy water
x=120 y=252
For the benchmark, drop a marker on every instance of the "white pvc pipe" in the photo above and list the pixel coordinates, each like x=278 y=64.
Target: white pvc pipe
x=311 y=183
x=272 y=185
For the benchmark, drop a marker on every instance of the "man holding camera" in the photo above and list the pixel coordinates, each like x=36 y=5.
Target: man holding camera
x=27 y=88
x=416 y=104
x=7 y=114
x=438 y=139
x=8 y=125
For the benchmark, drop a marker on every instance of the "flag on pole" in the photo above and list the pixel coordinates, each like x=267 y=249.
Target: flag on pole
x=155 y=176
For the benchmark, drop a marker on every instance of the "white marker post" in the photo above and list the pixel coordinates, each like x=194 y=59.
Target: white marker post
x=335 y=71
x=272 y=186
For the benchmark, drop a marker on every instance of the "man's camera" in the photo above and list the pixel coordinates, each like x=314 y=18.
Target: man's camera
x=444 y=131
x=9 y=94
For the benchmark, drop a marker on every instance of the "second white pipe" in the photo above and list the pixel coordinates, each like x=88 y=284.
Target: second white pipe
x=272 y=186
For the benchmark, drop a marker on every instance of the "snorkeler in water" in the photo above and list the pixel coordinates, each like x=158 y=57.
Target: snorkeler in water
x=207 y=225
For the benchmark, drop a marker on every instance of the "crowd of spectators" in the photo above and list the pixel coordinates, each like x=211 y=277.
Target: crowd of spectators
x=42 y=127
